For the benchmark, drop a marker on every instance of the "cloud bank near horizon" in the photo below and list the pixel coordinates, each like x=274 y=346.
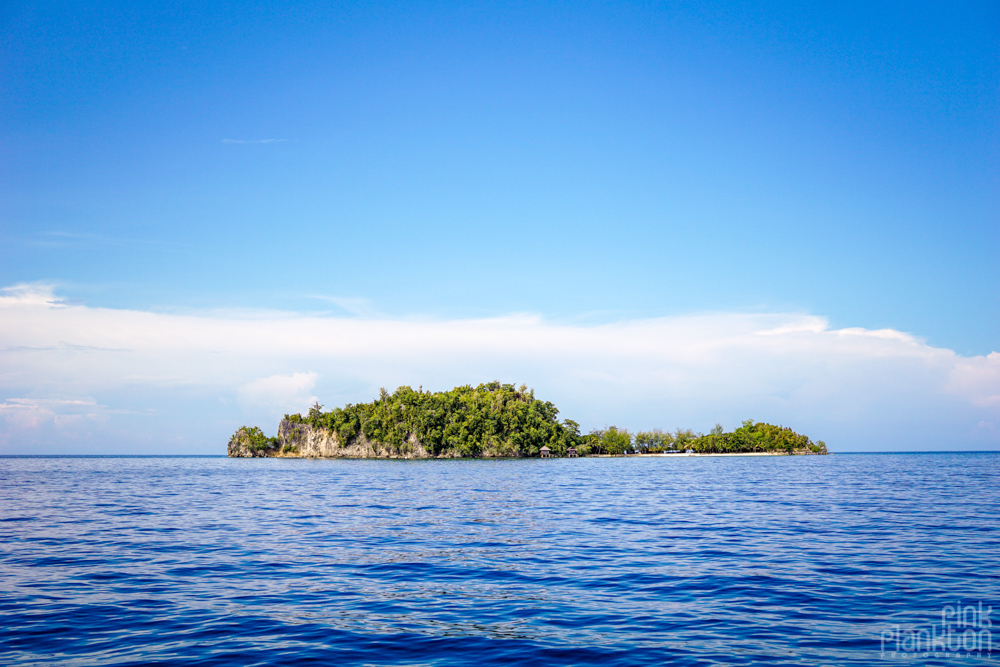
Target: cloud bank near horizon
x=79 y=379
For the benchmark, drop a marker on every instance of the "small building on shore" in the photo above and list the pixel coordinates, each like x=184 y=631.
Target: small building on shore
x=545 y=452
x=571 y=452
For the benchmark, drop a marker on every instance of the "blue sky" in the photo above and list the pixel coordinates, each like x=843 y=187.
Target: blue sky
x=584 y=164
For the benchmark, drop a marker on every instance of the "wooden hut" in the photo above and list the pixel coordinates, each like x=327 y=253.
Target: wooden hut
x=571 y=452
x=545 y=452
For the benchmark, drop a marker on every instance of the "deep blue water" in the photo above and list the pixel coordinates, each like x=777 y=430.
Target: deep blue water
x=689 y=561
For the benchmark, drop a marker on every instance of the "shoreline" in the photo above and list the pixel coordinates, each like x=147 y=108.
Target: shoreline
x=685 y=454
x=526 y=458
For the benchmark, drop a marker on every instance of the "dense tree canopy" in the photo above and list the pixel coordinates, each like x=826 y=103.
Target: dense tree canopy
x=755 y=437
x=492 y=419
x=750 y=437
x=497 y=419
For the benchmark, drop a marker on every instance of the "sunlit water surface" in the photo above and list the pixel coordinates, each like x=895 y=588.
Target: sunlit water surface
x=688 y=561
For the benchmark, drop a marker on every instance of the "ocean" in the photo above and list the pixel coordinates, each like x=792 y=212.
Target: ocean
x=848 y=559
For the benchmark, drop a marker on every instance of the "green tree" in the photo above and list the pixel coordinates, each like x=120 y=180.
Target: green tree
x=651 y=442
x=492 y=419
x=682 y=437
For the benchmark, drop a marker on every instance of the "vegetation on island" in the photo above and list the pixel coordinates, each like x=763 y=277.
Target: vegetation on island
x=499 y=420
x=255 y=440
x=492 y=419
x=750 y=437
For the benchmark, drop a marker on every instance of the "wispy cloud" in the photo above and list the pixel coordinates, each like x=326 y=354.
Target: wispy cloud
x=33 y=412
x=279 y=394
x=352 y=305
x=253 y=141
x=27 y=294
x=204 y=374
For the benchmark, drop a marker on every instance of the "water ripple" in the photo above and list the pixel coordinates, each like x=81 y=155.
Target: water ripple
x=689 y=561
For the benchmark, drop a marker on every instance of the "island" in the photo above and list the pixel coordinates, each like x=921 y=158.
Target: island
x=492 y=420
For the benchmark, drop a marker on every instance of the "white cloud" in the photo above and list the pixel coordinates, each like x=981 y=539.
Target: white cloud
x=28 y=295
x=31 y=413
x=978 y=379
x=854 y=388
x=279 y=394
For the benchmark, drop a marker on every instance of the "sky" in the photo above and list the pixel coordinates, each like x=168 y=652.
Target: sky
x=655 y=214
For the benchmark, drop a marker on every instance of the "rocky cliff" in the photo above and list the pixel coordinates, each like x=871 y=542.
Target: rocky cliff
x=306 y=441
